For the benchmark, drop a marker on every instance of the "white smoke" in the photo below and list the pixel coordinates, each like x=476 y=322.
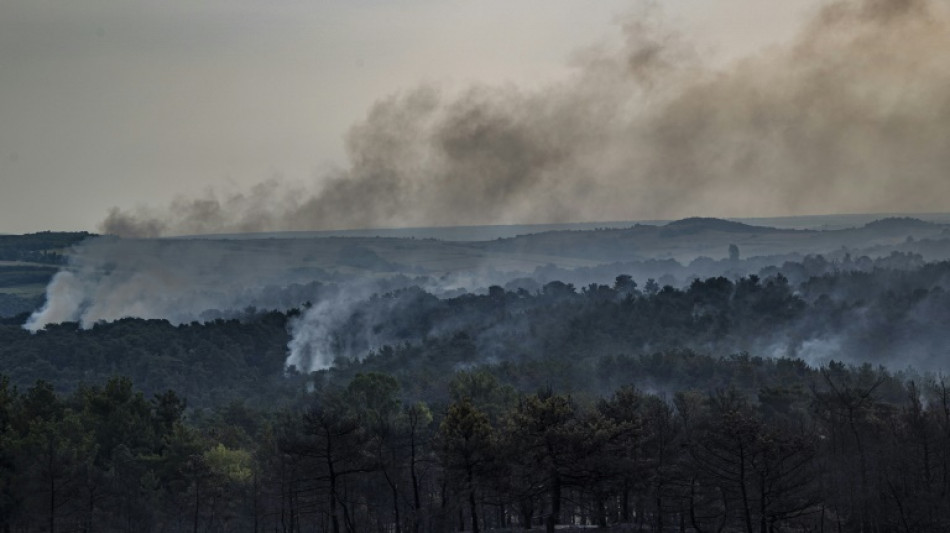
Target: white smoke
x=186 y=280
x=179 y=281
x=314 y=344
x=65 y=298
x=356 y=318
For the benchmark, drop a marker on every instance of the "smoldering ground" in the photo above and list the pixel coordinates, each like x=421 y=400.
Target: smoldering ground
x=851 y=116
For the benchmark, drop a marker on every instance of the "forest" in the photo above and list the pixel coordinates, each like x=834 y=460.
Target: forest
x=744 y=404
x=367 y=267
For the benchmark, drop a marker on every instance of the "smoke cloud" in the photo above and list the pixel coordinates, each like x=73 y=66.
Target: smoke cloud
x=176 y=280
x=851 y=116
x=187 y=280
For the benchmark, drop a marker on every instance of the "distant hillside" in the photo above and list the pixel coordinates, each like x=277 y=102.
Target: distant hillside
x=898 y=223
x=46 y=247
x=700 y=224
x=27 y=263
x=683 y=239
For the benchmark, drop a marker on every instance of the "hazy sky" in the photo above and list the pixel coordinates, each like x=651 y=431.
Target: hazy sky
x=109 y=103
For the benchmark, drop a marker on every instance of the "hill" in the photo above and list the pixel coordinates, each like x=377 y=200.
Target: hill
x=27 y=263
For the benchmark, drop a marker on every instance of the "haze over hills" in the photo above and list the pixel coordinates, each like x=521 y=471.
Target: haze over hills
x=869 y=292
x=500 y=231
x=419 y=251
x=251 y=261
x=331 y=278
x=183 y=280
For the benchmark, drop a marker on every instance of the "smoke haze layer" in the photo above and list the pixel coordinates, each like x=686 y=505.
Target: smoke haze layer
x=175 y=280
x=347 y=297
x=851 y=116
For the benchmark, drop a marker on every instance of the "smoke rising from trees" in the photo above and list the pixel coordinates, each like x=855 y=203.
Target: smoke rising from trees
x=342 y=301
x=851 y=116
x=176 y=280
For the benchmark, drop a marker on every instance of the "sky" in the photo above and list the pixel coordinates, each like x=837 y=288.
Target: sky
x=133 y=116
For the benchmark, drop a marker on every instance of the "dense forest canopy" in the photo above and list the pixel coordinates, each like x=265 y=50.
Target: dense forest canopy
x=885 y=316
x=798 y=394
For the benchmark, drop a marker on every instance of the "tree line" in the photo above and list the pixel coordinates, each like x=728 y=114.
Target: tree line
x=47 y=247
x=836 y=448
x=578 y=340
x=615 y=405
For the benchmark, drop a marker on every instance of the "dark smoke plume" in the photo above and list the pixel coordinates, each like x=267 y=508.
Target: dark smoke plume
x=851 y=116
